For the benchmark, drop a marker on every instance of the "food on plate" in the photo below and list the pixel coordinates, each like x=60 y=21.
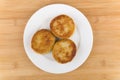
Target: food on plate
x=64 y=50
x=62 y=26
x=56 y=39
x=43 y=41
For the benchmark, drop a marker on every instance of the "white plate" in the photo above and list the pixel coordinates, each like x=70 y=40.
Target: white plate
x=82 y=37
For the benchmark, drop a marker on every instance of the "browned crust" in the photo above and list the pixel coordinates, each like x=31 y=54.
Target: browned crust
x=62 y=26
x=43 y=41
x=64 y=50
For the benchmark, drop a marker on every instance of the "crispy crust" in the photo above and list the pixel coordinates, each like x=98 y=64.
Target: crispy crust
x=64 y=50
x=43 y=41
x=62 y=26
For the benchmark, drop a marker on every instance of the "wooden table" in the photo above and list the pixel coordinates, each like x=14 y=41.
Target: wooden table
x=103 y=62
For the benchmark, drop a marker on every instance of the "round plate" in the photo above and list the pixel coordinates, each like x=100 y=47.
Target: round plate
x=82 y=37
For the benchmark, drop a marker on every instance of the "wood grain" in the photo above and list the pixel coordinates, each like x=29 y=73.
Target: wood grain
x=103 y=62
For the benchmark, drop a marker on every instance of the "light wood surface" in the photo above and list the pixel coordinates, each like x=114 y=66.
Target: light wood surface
x=103 y=62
